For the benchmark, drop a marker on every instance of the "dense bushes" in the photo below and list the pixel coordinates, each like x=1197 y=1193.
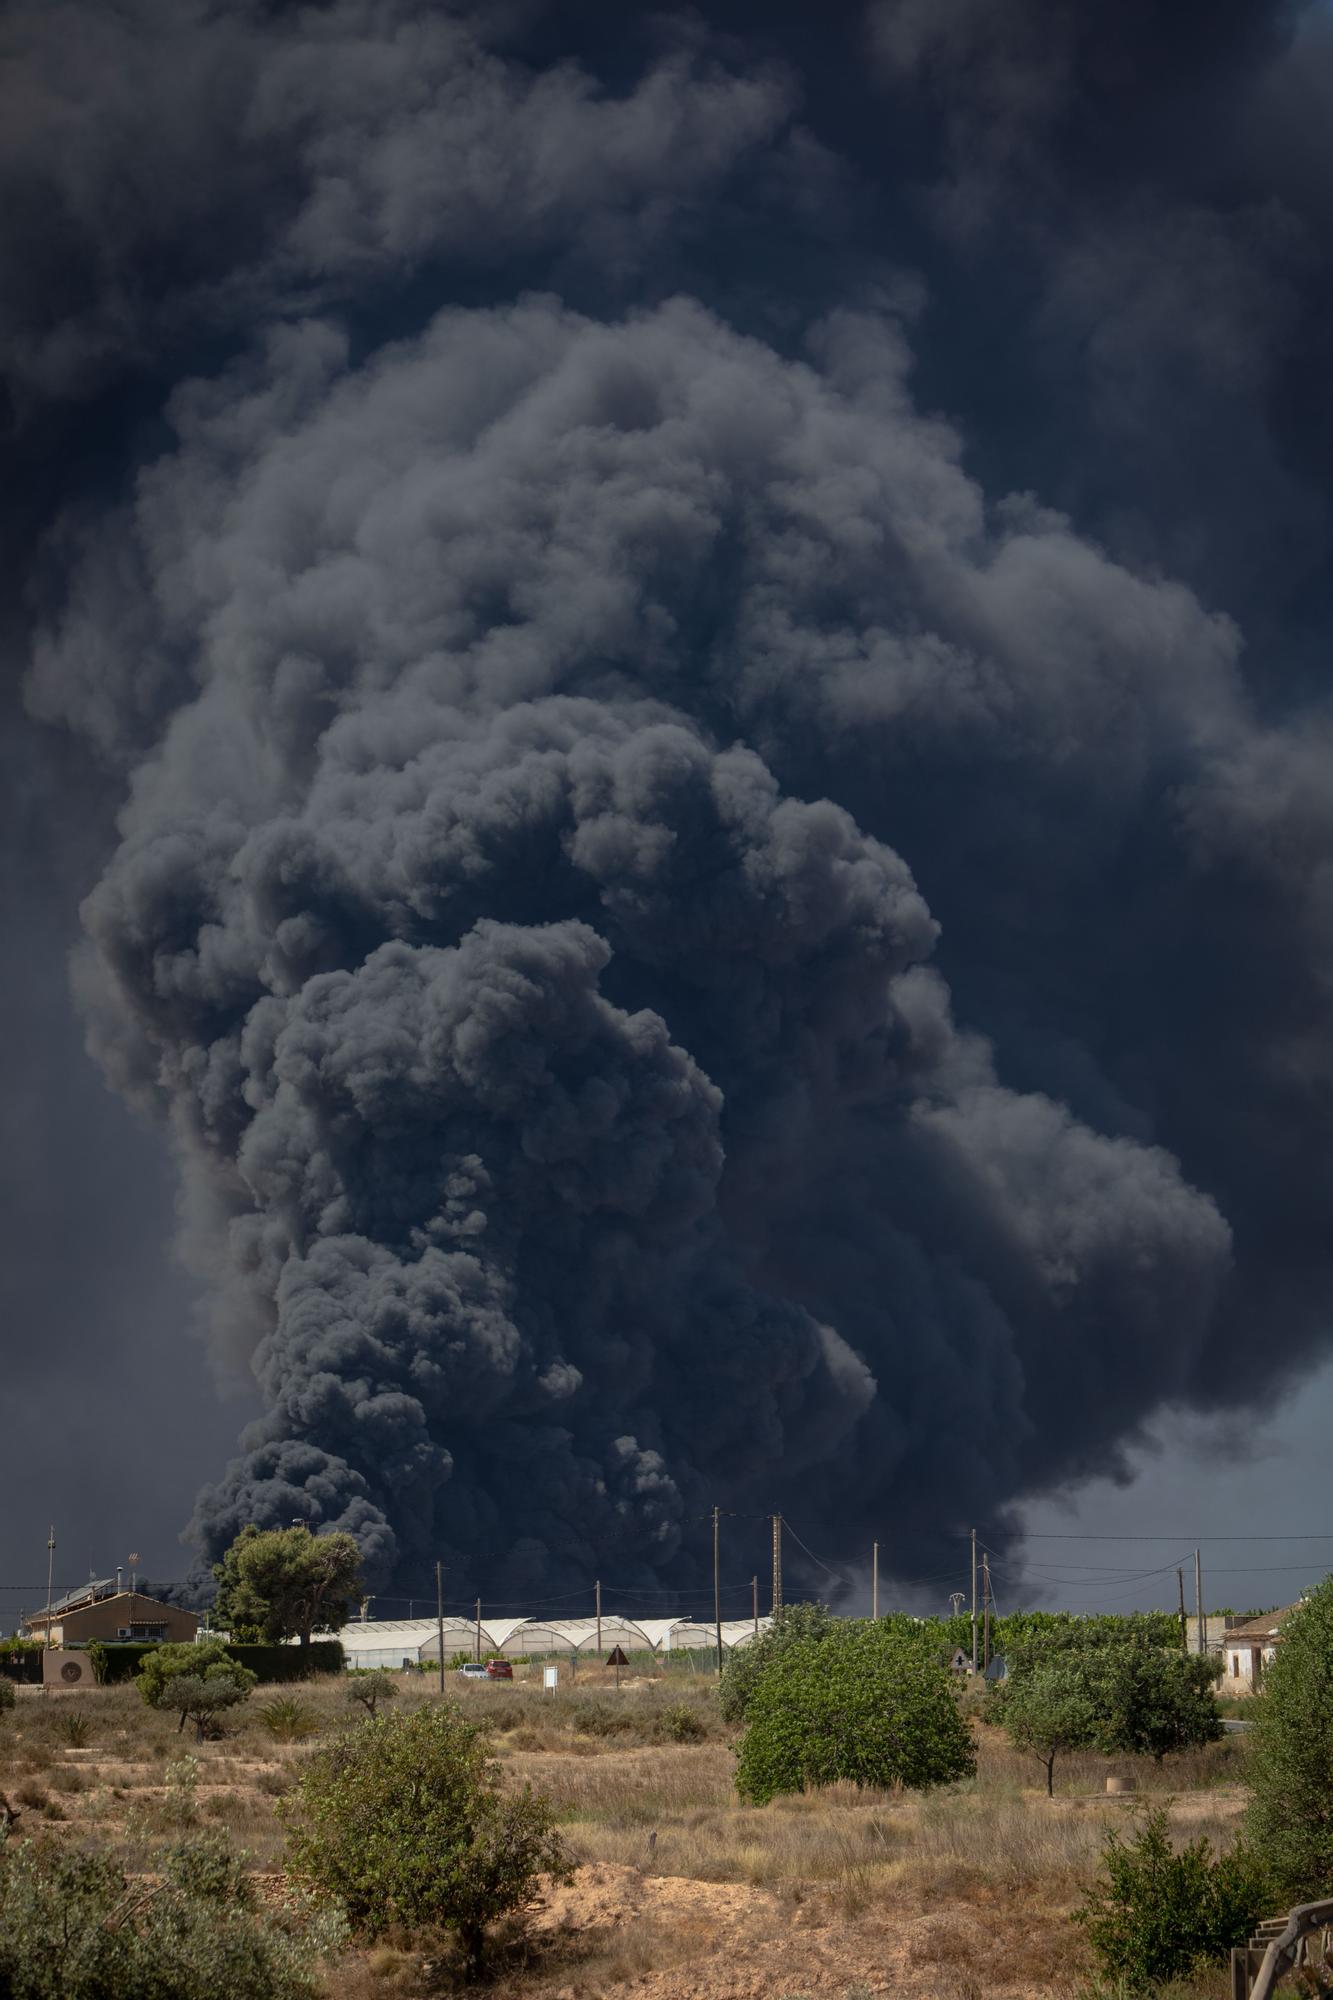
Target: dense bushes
x=1076 y=1689
x=791 y=1624
x=1291 y=1754
x=73 y=1926
x=403 y=1821
x=1159 y=1913
x=861 y=1703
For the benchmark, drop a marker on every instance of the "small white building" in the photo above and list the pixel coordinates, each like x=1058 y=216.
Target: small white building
x=1249 y=1648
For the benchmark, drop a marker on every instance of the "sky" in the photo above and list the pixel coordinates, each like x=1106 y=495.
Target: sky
x=665 y=752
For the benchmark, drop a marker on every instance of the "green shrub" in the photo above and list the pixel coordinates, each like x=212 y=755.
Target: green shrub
x=403 y=1821
x=288 y=1719
x=1048 y=1711
x=196 y=1683
x=1132 y=1697
x=1291 y=1754
x=113 y=1663
x=680 y=1723
x=1159 y=1913
x=7 y=1694
x=72 y=1925
x=370 y=1686
x=791 y=1624
x=862 y=1704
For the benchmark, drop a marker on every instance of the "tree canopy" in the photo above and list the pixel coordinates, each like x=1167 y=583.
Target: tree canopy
x=196 y=1683
x=1291 y=1754
x=860 y=1703
x=285 y=1583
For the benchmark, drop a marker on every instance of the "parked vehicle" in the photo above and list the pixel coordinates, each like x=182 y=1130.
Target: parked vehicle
x=499 y=1670
x=473 y=1670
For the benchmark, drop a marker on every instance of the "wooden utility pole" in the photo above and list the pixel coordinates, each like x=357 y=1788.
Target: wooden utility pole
x=717 y=1583
x=478 y=1640
x=777 y=1564
x=597 y=1592
x=1184 y=1622
x=974 y=1600
x=874 y=1579
x=439 y=1617
x=754 y=1594
x=985 y=1579
x=1198 y=1601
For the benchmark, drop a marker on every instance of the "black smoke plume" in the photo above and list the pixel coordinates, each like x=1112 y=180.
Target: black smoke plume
x=689 y=951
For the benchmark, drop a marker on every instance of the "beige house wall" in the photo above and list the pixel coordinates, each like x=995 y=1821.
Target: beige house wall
x=107 y=1618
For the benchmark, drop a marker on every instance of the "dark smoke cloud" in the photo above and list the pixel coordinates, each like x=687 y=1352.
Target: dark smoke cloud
x=553 y=1092
x=685 y=940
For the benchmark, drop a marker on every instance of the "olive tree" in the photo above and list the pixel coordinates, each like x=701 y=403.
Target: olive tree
x=370 y=1687
x=404 y=1822
x=1291 y=1754
x=859 y=1704
x=194 y=1683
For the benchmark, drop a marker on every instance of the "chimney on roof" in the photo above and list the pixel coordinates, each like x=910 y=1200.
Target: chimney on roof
x=119 y=1579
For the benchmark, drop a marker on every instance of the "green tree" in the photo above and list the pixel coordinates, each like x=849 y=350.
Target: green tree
x=1159 y=1914
x=1291 y=1754
x=1049 y=1710
x=285 y=1583
x=371 y=1687
x=196 y=1683
x=404 y=1822
x=1151 y=1702
x=861 y=1704
x=791 y=1624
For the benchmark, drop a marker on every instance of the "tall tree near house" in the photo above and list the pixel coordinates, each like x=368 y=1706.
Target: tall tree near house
x=1290 y=1758
x=285 y=1583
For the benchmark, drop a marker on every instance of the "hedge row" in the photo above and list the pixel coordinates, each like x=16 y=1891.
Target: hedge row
x=120 y=1662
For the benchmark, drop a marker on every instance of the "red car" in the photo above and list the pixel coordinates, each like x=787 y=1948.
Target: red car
x=499 y=1670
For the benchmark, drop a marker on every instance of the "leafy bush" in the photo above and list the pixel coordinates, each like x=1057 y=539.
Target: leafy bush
x=1291 y=1754
x=1160 y=1914
x=862 y=1704
x=76 y=1727
x=195 y=1683
x=370 y=1687
x=680 y=1723
x=72 y=1925
x=403 y=1821
x=792 y=1624
x=288 y=1719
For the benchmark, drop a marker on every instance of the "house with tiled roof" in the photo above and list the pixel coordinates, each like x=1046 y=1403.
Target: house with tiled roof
x=1251 y=1646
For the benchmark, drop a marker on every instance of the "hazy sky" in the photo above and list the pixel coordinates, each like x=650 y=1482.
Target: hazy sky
x=666 y=751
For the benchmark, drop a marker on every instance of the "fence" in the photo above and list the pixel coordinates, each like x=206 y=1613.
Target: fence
x=1298 y=1941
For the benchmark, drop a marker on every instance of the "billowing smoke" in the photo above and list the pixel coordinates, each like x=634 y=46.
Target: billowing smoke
x=640 y=885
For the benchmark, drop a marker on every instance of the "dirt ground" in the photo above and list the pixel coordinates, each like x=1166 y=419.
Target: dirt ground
x=681 y=1893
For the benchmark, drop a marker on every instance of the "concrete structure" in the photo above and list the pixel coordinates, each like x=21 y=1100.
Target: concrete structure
x=1249 y=1647
x=101 y=1611
x=388 y=1642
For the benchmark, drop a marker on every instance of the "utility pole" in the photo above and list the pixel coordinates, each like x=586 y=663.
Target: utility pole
x=1198 y=1600
x=597 y=1598
x=439 y=1617
x=754 y=1594
x=974 y=1600
x=478 y=1641
x=1184 y=1623
x=874 y=1579
x=777 y=1564
x=717 y=1583
x=50 y=1578
x=985 y=1578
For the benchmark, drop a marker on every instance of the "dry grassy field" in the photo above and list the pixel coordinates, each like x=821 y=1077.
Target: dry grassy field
x=680 y=1890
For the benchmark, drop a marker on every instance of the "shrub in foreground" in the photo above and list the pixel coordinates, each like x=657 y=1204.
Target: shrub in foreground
x=861 y=1705
x=403 y=1821
x=1290 y=1765
x=1159 y=1914
x=72 y=1926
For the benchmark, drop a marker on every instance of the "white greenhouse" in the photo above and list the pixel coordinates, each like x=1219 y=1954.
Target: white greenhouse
x=399 y=1642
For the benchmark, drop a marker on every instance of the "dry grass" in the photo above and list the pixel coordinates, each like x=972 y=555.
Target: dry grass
x=953 y=1891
